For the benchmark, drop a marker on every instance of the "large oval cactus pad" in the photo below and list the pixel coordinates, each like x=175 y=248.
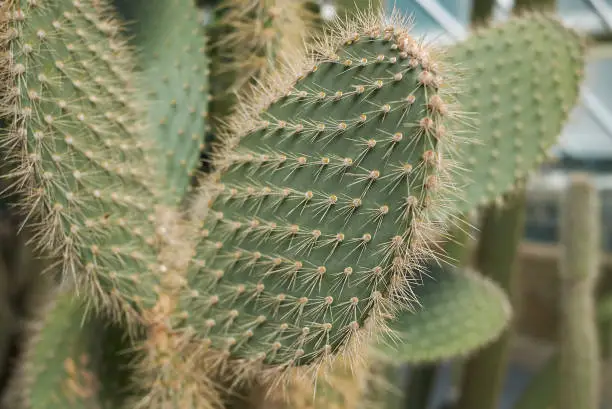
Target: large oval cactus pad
x=324 y=199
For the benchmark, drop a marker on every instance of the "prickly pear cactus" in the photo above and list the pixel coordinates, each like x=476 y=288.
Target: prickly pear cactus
x=171 y=46
x=526 y=76
x=76 y=145
x=249 y=40
x=474 y=308
x=460 y=312
x=72 y=362
x=325 y=198
x=257 y=31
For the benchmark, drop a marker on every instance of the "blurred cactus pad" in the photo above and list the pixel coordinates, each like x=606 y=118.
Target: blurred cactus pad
x=333 y=181
x=522 y=79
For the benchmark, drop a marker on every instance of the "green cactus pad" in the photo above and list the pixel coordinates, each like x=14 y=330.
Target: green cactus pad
x=76 y=142
x=254 y=34
x=324 y=200
x=523 y=78
x=173 y=58
x=248 y=40
x=72 y=362
x=460 y=312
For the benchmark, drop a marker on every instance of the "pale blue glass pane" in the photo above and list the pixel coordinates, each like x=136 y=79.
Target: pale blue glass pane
x=423 y=21
x=573 y=5
x=599 y=79
x=581 y=15
x=460 y=9
x=584 y=136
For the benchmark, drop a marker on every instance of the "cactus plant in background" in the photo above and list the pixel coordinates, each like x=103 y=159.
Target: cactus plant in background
x=333 y=182
x=461 y=311
x=496 y=257
x=72 y=361
x=519 y=112
x=579 y=350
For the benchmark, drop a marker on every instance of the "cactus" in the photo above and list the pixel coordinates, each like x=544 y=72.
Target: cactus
x=474 y=308
x=519 y=112
x=351 y=179
x=72 y=361
x=172 y=59
x=570 y=378
x=258 y=32
x=75 y=140
x=334 y=179
x=250 y=40
x=487 y=66
x=460 y=312
x=579 y=350
x=502 y=231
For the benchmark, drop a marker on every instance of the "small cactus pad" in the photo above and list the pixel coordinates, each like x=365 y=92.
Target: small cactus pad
x=72 y=362
x=173 y=59
x=324 y=200
x=74 y=140
x=460 y=311
x=248 y=39
x=523 y=78
x=253 y=33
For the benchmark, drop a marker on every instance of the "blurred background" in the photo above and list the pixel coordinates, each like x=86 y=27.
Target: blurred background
x=584 y=145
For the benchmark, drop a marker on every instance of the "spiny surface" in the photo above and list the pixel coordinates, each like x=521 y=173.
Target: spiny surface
x=72 y=363
x=324 y=199
x=255 y=32
x=173 y=60
x=523 y=79
x=73 y=137
x=460 y=312
x=248 y=39
x=373 y=385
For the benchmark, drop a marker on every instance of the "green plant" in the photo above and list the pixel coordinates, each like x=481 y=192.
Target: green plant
x=500 y=127
x=333 y=180
x=325 y=256
x=579 y=349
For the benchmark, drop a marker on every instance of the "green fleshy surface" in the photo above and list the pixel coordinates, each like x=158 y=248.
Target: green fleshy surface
x=522 y=80
x=460 y=312
x=79 y=135
x=283 y=296
x=73 y=362
x=170 y=40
